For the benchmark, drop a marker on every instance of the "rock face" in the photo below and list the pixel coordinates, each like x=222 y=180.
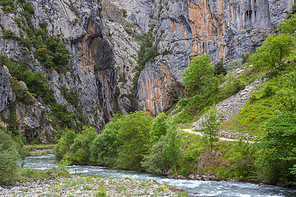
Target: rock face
x=90 y=71
x=157 y=88
x=6 y=93
x=219 y=28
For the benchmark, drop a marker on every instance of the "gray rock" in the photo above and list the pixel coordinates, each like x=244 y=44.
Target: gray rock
x=217 y=28
x=191 y=176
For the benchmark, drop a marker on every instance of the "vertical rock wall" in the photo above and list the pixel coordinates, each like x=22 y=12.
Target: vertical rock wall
x=219 y=28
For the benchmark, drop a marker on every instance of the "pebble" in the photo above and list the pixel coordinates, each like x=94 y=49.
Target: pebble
x=88 y=186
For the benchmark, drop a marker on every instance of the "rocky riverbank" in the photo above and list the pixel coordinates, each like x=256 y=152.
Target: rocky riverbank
x=77 y=185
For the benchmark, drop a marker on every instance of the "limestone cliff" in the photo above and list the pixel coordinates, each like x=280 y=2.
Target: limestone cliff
x=187 y=28
x=90 y=72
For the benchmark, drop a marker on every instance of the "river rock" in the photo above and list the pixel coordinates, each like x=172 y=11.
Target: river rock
x=198 y=177
x=180 y=177
x=191 y=176
x=281 y=184
x=205 y=178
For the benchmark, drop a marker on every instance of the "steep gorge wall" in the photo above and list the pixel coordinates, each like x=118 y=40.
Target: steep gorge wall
x=90 y=71
x=220 y=28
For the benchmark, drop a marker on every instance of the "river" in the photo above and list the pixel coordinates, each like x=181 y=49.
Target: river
x=194 y=187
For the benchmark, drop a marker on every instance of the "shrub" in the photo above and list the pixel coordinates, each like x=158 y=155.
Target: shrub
x=124 y=12
x=9 y=157
x=220 y=68
x=8 y=5
x=273 y=51
x=42 y=54
x=64 y=144
x=159 y=127
x=165 y=153
x=128 y=30
x=104 y=147
x=134 y=135
x=79 y=152
x=9 y=34
x=28 y=7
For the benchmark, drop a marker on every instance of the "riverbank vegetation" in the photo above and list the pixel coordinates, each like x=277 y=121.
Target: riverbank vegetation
x=136 y=142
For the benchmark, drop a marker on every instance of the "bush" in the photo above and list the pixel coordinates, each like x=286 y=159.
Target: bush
x=273 y=51
x=159 y=127
x=134 y=135
x=9 y=34
x=64 y=144
x=220 y=68
x=165 y=153
x=9 y=157
x=277 y=148
x=79 y=152
x=8 y=5
x=124 y=12
x=28 y=7
x=42 y=54
x=128 y=30
x=104 y=147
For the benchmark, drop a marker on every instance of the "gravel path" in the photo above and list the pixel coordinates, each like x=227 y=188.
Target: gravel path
x=88 y=186
x=220 y=138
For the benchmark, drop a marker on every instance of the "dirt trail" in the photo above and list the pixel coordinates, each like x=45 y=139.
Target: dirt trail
x=220 y=138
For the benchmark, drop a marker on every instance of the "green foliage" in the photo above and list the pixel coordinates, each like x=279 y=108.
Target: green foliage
x=134 y=135
x=22 y=93
x=165 y=153
x=166 y=52
x=42 y=54
x=79 y=152
x=28 y=7
x=220 y=69
x=289 y=25
x=278 y=147
x=64 y=144
x=198 y=76
x=210 y=127
x=124 y=12
x=159 y=127
x=244 y=160
x=9 y=34
x=8 y=5
x=9 y=157
x=104 y=147
x=273 y=51
x=71 y=96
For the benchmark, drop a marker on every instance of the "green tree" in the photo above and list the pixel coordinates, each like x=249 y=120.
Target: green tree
x=62 y=54
x=159 y=127
x=210 y=127
x=104 y=147
x=64 y=144
x=42 y=54
x=165 y=153
x=79 y=152
x=288 y=26
x=9 y=157
x=278 y=148
x=273 y=51
x=28 y=7
x=198 y=75
x=134 y=135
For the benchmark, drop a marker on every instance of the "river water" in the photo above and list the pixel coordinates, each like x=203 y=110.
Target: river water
x=194 y=187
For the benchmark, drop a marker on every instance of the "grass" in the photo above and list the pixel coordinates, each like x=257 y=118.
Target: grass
x=30 y=146
x=31 y=174
x=260 y=108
